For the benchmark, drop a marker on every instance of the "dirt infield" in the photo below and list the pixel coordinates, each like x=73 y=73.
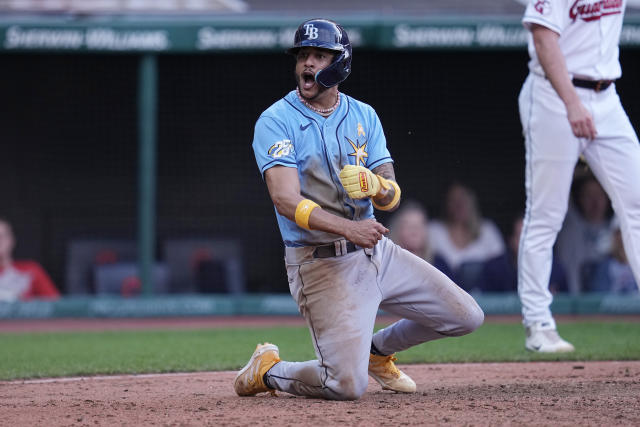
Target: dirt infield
x=574 y=393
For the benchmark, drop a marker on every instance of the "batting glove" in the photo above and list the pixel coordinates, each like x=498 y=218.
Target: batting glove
x=359 y=182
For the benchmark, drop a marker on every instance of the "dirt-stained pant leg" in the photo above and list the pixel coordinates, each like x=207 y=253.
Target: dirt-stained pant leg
x=432 y=306
x=339 y=299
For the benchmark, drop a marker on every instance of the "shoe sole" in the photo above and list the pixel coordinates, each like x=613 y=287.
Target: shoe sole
x=386 y=387
x=254 y=356
x=561 y=350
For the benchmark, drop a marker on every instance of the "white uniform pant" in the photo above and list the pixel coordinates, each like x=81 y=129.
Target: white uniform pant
x=552 y=152
x=339 y=297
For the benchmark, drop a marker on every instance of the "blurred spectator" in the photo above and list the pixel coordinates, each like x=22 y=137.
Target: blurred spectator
x=22 y=280
x=408 y=229
x=500 y=274
x=464 y=240
x=613 y=273
x=585 y=236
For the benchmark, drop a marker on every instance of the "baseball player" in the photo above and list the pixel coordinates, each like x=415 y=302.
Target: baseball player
x=568 y=107
x=324 y=158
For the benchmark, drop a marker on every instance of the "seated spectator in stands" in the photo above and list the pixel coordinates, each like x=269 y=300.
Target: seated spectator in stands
x=500 y=274
x=464 y=240
x=585 y=236
x=613 y=273
x=21 y=280
x=409 y=229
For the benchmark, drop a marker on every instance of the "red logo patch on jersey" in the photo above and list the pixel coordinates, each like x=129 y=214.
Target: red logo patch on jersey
x=364 y=184
x=542 y=6
x=594 y=10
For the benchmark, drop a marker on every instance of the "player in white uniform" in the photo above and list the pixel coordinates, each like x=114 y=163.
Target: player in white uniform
x=569 y=107
x=325 y=162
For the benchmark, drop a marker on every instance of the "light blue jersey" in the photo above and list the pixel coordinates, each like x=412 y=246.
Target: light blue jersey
x=290 y=134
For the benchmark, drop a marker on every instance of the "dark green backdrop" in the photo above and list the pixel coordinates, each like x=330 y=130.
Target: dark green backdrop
x=68 y=152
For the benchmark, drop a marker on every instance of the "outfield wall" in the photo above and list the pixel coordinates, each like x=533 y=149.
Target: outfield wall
x=274 y=304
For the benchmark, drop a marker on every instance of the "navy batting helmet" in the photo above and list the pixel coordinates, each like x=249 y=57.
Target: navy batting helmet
x=326 y=34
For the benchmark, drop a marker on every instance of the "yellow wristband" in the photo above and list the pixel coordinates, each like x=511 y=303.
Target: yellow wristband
x=303 y=212
x=387 y=183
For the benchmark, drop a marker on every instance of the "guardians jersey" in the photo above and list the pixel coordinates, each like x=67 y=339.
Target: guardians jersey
x=589 y=34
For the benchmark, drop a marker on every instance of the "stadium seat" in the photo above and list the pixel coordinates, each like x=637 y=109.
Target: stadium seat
x=84 y=255
x=204 y=265
x=123 y=279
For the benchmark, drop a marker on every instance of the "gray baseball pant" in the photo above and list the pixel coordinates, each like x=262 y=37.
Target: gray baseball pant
x=339 y=297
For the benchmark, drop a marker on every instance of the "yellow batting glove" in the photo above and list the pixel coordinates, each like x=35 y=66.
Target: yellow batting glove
x=359 y=182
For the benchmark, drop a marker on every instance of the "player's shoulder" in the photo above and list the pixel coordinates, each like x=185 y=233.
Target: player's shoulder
x=356 y=104
x=281 y=109
x=277 y=107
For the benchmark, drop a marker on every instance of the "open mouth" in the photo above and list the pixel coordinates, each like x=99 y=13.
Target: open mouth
x=308 y=80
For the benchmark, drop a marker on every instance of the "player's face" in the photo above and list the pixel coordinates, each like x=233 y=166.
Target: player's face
x=309 y=61
x=6 y=241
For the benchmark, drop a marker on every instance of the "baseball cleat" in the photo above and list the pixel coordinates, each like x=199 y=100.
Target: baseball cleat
x=384 y=371
x=543 y=338
x=249 y=380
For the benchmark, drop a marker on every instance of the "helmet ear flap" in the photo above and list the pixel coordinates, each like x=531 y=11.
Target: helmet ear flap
x=337 y=72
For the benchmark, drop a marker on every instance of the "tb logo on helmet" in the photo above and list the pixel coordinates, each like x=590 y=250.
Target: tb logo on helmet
x=311 y=31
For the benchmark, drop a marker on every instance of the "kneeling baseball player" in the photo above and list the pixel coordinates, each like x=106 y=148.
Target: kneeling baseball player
x=324 y=158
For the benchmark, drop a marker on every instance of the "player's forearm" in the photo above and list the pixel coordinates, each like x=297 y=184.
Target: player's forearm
x=325 y=221
x=385 y=197
x=321 y=220
x=554 y=64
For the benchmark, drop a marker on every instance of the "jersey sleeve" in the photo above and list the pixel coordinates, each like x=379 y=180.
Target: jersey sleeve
x=552 y=14
x=272 y=145
x=377 y=144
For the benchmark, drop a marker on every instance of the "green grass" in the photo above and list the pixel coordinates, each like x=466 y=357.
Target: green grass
x=32 y=355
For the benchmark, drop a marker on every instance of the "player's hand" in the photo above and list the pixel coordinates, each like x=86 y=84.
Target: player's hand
x=365 y=233
x=359 y=182
x=581 y=121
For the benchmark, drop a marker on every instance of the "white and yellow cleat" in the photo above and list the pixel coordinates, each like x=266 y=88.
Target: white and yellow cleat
x=249 y=380
x=384 y=371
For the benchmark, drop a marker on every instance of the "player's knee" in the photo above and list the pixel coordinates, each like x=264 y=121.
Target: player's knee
x=350 y=386
x=544 y=224
x=472 y=320
x=476 y=319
